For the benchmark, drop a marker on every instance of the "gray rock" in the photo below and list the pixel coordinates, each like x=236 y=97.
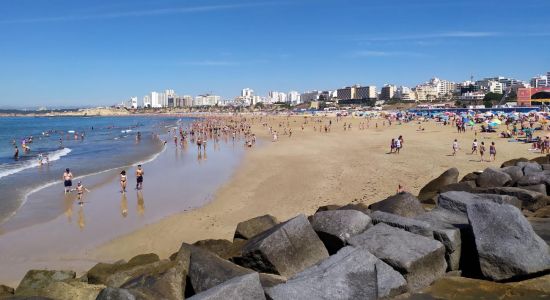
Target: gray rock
x=545 y=167
x=246 y=287
x=327 y=207
x=169 y=284
x=250 y=228
x=73 y=290
x=36 y=280
x=506 y=243
x=513 y=162
x=430 y=190
x=419 y=259
x=403 y=204
x=493 y=178
x=111 y=293
x=207 y=270
x=448 y=235
x=539 y=188
x=457 y=219
x=349 y=274
x=530 y=168
x=532 y=179
x=270 y=280
x=222 y=248
x=541 y=226
x=6 y=290
x=502 y=199
x=336 y=226
x=530 y=200
x=101 y=272
x=472 y=176
x=410 y=225
x=356 y=206
x=515 y=172
x=464 y=186
x=286 y=249
x=121 y=277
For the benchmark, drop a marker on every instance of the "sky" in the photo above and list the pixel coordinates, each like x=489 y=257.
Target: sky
x=86 y=53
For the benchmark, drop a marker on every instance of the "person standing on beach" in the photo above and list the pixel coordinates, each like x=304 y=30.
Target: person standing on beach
x=474 y=146
x=139 y=177
x=68 y=180
x=492 y=151
x=123 y=181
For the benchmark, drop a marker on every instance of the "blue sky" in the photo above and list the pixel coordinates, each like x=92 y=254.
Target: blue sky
x=70 y=52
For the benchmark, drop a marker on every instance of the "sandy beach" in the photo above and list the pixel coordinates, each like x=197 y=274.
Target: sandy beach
x=311 y=169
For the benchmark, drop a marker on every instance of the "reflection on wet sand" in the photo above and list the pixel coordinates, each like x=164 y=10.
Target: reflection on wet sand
x=68 y=207
x=81 y=221
x=124 y=205
x=140 y=204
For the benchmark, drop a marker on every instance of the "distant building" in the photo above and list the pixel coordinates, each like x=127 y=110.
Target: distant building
x=366 y=92
x=247 y=93
x=293 y=97
x=388 y=92
x=541 y=81
x=207 y=100
x=405 y=94
x=472 y=96
x=147 y=101
x=310 y=96
x=132 y=103
x=347 y=93
x=426 y=92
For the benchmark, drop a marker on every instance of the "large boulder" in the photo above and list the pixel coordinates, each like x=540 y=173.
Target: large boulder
x=493 y=178
x=246 y=287
x=111 y=293
x=349 y=274
x=472 y=176
x=35 y=281
x=531 y=168
x=101 y=272
x=270 y=280
x=541 y=226
x=502 y=199
x=541 y=160
x=336 y=226
x=464 y=186
x=530 y=200
x=419 y=259
x=222 y=248
x=515 y=172
x=74 y=290
x=539 y=188
x=513 y=162
x=285 y=249
x=119 y=278
x=447 y=234
x=356 y=206
x=410 y=225
x=250 y=228
x=506 y=243
x=403 y=204
x=169 y=284
x=207 y=270
x=430 y=190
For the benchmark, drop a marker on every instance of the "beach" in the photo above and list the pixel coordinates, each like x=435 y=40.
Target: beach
x=284 y=178
x=311 y=169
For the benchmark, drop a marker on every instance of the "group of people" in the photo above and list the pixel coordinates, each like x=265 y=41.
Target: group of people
x=396 y=145
x=478 y=148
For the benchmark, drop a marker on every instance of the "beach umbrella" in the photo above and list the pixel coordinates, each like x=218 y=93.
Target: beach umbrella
x=496 y=121
x=471 y=123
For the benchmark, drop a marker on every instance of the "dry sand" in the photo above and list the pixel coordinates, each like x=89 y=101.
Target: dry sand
x=297 y=175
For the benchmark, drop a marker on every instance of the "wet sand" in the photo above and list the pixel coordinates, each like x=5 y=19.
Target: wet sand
x=297 y=175
x=64 y=235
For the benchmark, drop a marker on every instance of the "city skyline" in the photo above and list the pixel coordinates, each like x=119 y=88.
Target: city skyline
x=65 y=53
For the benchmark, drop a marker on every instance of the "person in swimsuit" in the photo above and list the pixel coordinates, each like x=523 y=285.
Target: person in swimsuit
x=492 y=151
x=16 y=153
x=139 y=178
x=123 y=181
x=68 y=180
x=455 y=147
x=80 y=191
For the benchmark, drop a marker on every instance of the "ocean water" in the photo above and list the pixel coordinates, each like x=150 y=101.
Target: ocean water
x=108 y=143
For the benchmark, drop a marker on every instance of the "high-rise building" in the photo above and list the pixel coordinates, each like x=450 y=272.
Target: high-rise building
x=133 y=103
x=347 y=93
x=388 y=92
x=147 y=101
x=247 y=93
x=366 y=92
x=155 y=100
x=293 y=97
x=541 y=81
x=310 y=96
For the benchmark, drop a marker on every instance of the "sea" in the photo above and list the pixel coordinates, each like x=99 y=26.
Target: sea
x=86 y=145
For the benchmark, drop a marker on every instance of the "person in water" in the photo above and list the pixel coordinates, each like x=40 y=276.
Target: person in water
x=16 y=153
x=68 y=180
x=123 y=181
x=139 y=177
x=80 y=192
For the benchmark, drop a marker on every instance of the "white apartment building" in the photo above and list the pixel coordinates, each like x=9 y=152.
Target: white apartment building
x=207 y=100
x=133 y=103
x=443 y=87
x=247 y=93
x=147 y=101
x=275 y=96
x=541 y=81
x=293 y=97
x=405 y=94
x=472 y=96
x=426 y=92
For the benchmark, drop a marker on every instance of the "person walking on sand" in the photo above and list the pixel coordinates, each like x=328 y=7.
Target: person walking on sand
x=397 y=146
x=123 y=181
x=455 y=147
x=80 y=192
x=139 y=178
x=68 y=180
x=482 y=150
x=474 y=146
x=492 y=151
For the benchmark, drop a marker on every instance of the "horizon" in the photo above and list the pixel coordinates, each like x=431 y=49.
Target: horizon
x=67 y=54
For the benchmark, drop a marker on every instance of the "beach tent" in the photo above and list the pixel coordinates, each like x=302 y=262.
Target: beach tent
x=496 y=121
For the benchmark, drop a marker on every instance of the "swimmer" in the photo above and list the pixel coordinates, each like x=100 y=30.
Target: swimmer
x=16 y=153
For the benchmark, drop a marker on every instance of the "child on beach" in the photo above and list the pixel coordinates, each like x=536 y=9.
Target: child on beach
x=482 y=150
x=123 y=181
x=80 y=192
x=455 y=147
